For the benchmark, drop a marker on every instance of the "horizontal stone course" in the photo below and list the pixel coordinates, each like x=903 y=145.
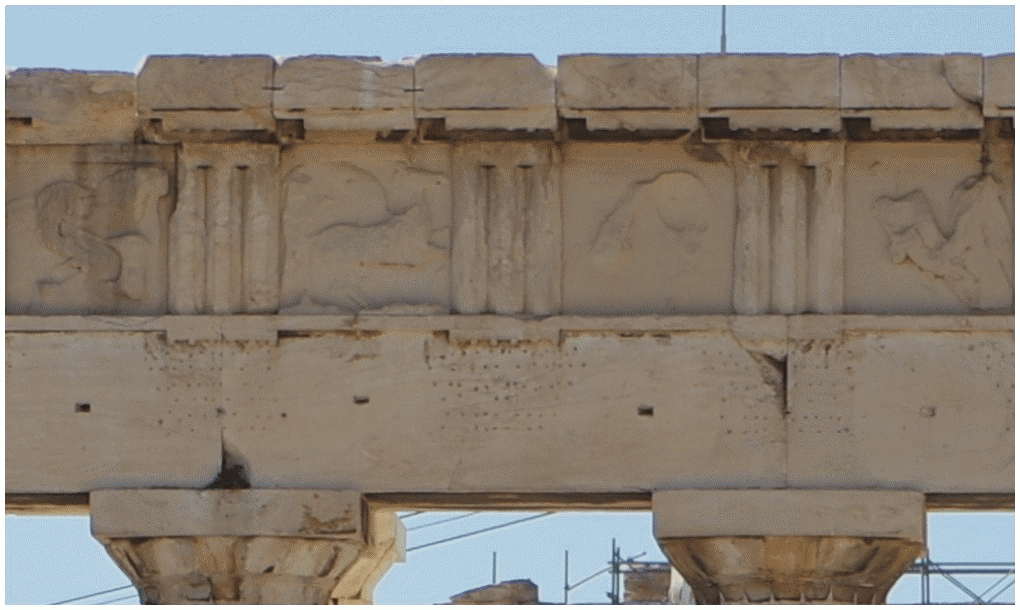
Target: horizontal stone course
x=208 y=92
x=195 y=94
x=913 y=91
x=49 y=106
x=345 y=93
x=999 y=85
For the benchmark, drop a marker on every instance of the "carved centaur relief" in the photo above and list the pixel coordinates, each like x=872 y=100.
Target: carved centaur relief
x=364 y=233
x=91 y=243
x=975 y=260
x=928 y=229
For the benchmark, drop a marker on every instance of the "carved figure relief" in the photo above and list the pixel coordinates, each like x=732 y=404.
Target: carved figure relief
x=673 y=208
x=353 y=243
x=92 y=250
x=975 y=261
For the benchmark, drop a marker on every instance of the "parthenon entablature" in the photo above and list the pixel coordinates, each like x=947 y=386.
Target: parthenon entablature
x=768 y=297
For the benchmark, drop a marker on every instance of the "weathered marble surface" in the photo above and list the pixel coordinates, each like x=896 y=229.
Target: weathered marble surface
x=913 y=91
x=660 y=92
x=475 y=276
x=240 y=546
x=347 y=93
x=341 y=184
x=999 y=85
x=194 y=92
x=680 y=402
x=190 y=94
x=70 y=107
x=87 y=228
x=785 y=91
x=485 y=91
x=790 y=546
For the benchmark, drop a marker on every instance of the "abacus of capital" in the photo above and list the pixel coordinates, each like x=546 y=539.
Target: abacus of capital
x=254 y=307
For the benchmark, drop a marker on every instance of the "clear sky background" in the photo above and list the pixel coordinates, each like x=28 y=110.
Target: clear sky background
x=51 y=559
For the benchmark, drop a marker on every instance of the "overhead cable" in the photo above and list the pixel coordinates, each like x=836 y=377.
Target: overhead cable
x=418 y=527
x=481 y=531
x=119 y=599
x=74 y=599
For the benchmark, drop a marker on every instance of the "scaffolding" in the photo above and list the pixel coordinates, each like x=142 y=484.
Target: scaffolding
x=924 y=567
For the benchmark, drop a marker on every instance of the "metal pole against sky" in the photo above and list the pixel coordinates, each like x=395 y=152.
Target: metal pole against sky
x=722 y=42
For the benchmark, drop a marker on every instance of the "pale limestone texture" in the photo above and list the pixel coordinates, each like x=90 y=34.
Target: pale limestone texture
x=224 y=243
x=69 y=107
x=486 y=91
x=789 y=512
x=246 y=546
x=365 y=227
x=348 y=93
x=201 y=92
x=506 y=229
x=87 y=228
x=648 y=228
x=790 y=570
x=913 y=91
x=790 y=546
x=860 y=400
x=999 y=85
x=695 y=402
x=176 y=447
x=646 y=586
x=788 y=251
x=478 y=281
x=511 y=592
x=927 y=230
x=770 y=91
x=629 y=91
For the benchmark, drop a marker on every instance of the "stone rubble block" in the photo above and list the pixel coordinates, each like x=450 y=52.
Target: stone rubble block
x=70 y=107
x=345 y=93
x=202 y=92
x=913 y=91
x=486 y=91
x=646 y=586
x=512 y=592
x=770 y=91
x=629 y=91
x=999 y=86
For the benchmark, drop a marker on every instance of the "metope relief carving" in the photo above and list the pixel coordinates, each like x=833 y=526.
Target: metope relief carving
x=672 y=208
x=975 y=260
x=648 y=229
x=361 y=238
x=81 y=247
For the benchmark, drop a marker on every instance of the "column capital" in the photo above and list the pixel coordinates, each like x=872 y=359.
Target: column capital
x=790 y=546
x=247 y=546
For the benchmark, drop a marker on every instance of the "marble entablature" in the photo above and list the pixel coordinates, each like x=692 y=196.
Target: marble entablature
x=609 y=185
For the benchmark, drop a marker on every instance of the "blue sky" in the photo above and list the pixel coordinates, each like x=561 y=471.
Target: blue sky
x=55 y=558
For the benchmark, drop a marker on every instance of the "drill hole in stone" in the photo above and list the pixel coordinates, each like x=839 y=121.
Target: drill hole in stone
x=646 y=411
x=82 y=407
x=361 y=400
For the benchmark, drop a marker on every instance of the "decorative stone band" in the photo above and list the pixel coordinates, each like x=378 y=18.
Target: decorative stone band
x=790 y=546
x=246 y=546
x=183 y=97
